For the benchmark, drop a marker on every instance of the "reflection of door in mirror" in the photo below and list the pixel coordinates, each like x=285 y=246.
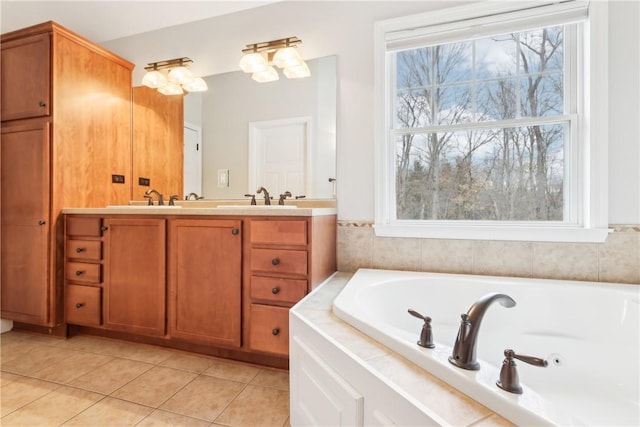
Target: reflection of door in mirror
x=278 y=155
x=192 y=159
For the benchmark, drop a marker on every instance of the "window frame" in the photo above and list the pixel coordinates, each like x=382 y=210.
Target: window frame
x=589 y=157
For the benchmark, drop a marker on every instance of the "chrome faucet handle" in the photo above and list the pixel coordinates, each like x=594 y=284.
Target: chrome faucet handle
x=426 y=335
x=150 y=197
x=302 y=196
x=509 y=380
x=253 y=198
x=267 y=198
x=172 y=199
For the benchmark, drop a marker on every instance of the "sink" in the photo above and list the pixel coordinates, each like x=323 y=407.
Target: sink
x=256 y=206
x=143 y=207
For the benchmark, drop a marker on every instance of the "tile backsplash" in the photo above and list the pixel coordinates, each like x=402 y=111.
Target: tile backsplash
x=615 y=260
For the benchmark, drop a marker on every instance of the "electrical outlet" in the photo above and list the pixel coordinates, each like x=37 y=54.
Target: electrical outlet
x=144 y=181
x=117 y=179
x=223 y=177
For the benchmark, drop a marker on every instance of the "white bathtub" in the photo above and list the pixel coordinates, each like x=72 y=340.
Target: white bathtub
x=588 y=333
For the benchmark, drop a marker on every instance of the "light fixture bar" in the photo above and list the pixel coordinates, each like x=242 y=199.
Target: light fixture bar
x=170 y=63
x=271 y=45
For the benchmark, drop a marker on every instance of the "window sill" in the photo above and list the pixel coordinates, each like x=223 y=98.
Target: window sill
x=493 y=232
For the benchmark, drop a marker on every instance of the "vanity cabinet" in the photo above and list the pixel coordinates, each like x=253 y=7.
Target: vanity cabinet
x=134 y=299
x=66 y=129
x=115 y=273
x=205 y=282
x=285 y=258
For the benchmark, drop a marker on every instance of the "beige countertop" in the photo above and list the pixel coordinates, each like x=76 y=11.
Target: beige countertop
x=215 y=208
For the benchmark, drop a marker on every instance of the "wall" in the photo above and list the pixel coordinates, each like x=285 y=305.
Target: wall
x=345 y=29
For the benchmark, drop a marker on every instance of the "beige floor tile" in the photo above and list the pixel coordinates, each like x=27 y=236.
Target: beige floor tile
x=204 y=398
x=145 y=353
x=53 y=408
x=76 y=365
x=160 y=418
x=7 y=377
x=98 y=345
x=155 y=386
x=21 y=392
x=272 y=378
x=11 y=336
x=188 y=362
x=257 y=406
x=38 y=356
x=110 y=412
x=111 y=376
x=16 y=349
x=232 y=371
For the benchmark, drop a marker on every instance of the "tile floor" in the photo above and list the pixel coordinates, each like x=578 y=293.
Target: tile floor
x=92 y=381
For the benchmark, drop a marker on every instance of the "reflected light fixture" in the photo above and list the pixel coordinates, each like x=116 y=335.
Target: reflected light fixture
x=259 y=60
x=177 y=80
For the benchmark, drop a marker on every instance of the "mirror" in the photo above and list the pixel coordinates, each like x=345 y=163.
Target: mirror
x=245 y=123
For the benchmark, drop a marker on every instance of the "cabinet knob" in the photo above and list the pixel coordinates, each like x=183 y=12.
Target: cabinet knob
x=42 y=222
x=235 y=231
x=79 y=272
x=79 y=250
x=79 y=304
x=275 y=291
x=275 y=331
x=104 y=228
x=275 y=261
x=42 y=104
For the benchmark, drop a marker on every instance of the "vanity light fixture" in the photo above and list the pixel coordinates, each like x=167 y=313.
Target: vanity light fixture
x=177 y=80
x=259 y=60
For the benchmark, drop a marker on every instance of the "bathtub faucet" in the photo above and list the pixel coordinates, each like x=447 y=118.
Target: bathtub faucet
x=464 y=350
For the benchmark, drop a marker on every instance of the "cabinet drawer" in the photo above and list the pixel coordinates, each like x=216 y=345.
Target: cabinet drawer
x=279 y=261
x=293 y=232
x=276 y=289
x=80 y=226
x=82 y=305
x=269 y=329
x=82 y=272
x=84 y=249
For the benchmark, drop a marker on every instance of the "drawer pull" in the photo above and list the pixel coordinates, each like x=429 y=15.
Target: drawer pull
x=104 y=228
x=80 y=250
x=275 y=261
x=79 y=272
x=275 y=291
x=42 y=104
x=42 y=222
x=80 y=304
x=275 y=331
x=235 y=231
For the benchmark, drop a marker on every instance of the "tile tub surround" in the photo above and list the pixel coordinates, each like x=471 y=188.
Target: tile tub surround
x=91 y=381
x=616 y=260
x=411 y=380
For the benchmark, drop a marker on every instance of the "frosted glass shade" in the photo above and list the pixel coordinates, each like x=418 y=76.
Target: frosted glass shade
x=297 y=72
x=269 y=75
x=154 y=79
x=253 y=63
x=180 y=75
x=197 y=85
x=171 y=89
x=287 y=57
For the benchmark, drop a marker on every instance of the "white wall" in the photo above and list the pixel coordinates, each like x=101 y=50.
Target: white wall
x=345 y=29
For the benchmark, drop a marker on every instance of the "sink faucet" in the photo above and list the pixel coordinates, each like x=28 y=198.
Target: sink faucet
x=464 y=349
x=149 y=195
x=194 y=195
x=283 y=197
x=267 y=199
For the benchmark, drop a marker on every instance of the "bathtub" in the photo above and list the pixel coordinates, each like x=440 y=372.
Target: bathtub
x=587 y=332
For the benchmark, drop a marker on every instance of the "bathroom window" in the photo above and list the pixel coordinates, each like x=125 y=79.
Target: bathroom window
x=483 y=125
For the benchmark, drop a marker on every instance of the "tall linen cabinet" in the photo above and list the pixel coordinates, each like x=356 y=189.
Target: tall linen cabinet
x=66 y=110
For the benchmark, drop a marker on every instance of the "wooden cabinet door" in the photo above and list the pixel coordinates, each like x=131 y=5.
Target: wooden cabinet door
x=205 y=281
x=25 y=71
x=25 y=230
x=134 y=275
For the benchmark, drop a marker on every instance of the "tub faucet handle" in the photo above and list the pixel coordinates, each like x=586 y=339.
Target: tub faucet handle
x=509 y=379
x=426 y=336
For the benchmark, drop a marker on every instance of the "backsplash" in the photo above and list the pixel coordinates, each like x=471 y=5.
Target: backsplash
x=616 y=260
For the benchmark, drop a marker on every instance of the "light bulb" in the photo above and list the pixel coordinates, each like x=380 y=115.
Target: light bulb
x=297 y=72
x=154 y=79
x=198 y=85
x=287 y=57
x=253 y=63
x=269 y=75
x=171 y=89
x=180 y=75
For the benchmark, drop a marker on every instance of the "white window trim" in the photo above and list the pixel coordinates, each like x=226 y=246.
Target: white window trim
x=594 y=189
